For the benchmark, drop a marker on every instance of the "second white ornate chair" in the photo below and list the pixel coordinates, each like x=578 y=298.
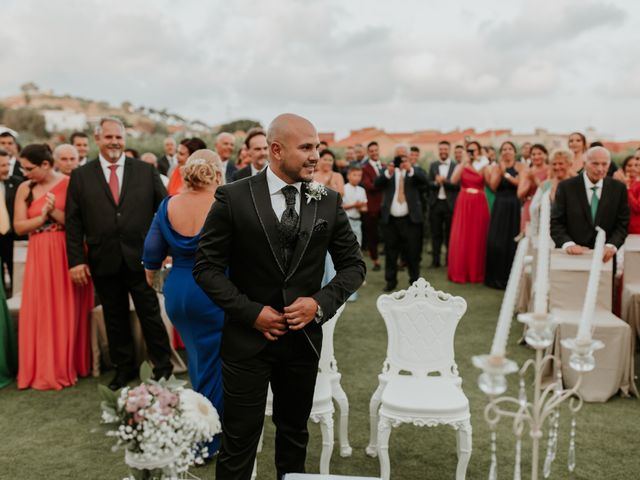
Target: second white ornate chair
x=419 y=383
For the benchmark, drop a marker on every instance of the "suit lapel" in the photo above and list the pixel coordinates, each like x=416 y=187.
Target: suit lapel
x=99 y=174
x=262 y=203
x=125 y=179
x=583 y=196
x=452 y=167
x=604 y=200
x=308 y=212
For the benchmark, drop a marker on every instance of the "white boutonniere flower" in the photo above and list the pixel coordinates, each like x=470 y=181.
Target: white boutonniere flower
x=315 y=191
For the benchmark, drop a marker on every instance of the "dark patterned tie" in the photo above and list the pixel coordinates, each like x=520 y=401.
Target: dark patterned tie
x=289 y=222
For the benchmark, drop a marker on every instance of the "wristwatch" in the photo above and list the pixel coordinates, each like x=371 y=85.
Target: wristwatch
x=319 y=315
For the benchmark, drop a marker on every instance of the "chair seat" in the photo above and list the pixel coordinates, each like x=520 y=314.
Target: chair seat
x=410 y=396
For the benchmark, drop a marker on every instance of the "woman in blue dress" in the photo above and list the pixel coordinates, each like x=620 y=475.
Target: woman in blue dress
x=175 y=231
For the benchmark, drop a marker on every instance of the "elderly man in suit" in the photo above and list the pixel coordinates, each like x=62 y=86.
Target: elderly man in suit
x=441 y=200
x=258 y=151
x=167 y=162
x=110 y=205
x=225 y=143
x=588 y=200
x=261 y=258
x=402 y=218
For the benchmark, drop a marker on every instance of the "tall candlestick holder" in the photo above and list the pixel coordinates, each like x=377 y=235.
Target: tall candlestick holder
x=544 y=402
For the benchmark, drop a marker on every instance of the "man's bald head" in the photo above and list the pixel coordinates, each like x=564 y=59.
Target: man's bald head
x=293 y=147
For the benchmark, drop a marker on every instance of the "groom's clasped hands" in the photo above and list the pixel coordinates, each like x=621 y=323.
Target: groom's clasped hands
x=274 y=324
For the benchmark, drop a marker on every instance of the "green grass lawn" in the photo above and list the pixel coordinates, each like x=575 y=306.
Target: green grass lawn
x=48 y=435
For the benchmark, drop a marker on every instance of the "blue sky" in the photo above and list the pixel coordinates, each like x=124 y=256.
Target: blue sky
x=404 y=65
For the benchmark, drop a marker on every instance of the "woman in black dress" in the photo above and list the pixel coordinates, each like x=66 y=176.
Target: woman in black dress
x=505 y=217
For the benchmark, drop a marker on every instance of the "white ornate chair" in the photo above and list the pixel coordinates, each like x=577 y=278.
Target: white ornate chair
x=327 y=388
x=419 y=383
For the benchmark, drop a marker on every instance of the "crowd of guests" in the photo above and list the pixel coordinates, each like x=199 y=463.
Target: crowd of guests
x=86 y=229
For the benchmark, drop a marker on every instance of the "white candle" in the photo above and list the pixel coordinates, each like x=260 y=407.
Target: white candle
x=590 y=298
x=542 y=267
x=509 y=300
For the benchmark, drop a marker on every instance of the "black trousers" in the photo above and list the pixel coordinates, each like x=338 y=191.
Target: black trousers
x=114 y=291
x=402 y=236
x=440 y=219
x=6 y=262
x=290 y=365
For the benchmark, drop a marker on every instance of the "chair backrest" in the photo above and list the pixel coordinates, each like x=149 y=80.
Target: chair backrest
x=632 y=259
x=568 y=279
x=327 y=358
x=421 y=324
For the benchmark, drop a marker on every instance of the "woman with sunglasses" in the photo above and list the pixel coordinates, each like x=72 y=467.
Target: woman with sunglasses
x=470 y=223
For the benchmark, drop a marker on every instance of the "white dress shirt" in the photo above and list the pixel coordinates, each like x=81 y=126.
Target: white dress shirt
x=278 y=201
x=353 y=194
x=377 y=166
x=107 y=171
x=399 y=209
x=12 y=164
x=82 y=162
x=443 y=171
x=255 y=171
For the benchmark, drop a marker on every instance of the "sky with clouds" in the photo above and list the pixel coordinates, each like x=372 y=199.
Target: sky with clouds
x=405 y=65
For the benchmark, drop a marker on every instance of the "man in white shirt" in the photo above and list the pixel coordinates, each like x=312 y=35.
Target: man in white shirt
x=167 y=162
x=402 y=218
x=441 y=200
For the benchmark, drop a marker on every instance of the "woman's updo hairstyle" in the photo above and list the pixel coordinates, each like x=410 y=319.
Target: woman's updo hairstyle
x=201 y=169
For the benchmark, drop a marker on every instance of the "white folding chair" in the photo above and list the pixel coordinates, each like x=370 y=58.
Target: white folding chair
x=421 y=324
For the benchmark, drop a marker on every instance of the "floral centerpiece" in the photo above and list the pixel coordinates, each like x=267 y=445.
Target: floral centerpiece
x=163 y=427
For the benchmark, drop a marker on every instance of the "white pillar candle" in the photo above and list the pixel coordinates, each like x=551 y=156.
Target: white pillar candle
x=590 y=298
x=542 y=268
x=509 y=301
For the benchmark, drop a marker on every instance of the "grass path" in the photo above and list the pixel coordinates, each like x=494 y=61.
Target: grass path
x=47 y=435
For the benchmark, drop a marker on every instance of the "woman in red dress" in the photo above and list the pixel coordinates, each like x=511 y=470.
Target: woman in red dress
x=470 y=224
x=631 y=169
x=532 y=178
x=47 y=326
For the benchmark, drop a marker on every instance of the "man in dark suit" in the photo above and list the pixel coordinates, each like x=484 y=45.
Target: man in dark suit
x=371 y=170
x=258 y=151
x=8 y=143
x=441 y=200
x=261 y=258
x=168 y=161
x=110 y=205
x=401 y=218
x=225 y=143
x=588 y=200
x=8 y=186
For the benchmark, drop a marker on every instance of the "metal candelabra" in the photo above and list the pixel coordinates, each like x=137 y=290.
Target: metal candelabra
x=545 y=401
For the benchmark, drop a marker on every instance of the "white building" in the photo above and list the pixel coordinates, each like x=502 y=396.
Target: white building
x=61 y=120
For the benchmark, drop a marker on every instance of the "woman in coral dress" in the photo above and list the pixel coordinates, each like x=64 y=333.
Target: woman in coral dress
x=48 y=333
x=470 y=224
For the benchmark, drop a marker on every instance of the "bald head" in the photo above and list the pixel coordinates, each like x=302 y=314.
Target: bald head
x=293 y=147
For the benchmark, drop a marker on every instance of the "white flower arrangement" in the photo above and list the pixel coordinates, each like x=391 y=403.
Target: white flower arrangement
x=315 y=191
x=161 y=425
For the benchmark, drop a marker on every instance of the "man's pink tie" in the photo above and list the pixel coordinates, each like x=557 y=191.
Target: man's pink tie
x=113 y=184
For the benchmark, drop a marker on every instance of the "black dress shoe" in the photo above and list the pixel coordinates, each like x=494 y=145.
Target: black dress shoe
x=121 y=380
x=162 y=373
x=376 y=267
x=390 y=287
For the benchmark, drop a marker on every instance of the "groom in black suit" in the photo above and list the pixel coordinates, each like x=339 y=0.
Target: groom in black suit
x=261 y=258
x=591 y=199
x=110 y=205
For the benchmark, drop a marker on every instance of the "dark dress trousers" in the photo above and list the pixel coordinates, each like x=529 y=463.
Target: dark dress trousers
x=571 y=213
x=402 y=235
x=6 y=241
x=240 y=264
x=114 y=235
x=440 y=210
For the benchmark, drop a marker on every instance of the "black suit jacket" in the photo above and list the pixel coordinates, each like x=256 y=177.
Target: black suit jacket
x=451 y=190
x=163 y=165
x=6 y=241
x=17 y=173
x=240 y=236
x=242 y=173
x=412 y=187
x=114 y=233
x=571 y=213
x=231 y=169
